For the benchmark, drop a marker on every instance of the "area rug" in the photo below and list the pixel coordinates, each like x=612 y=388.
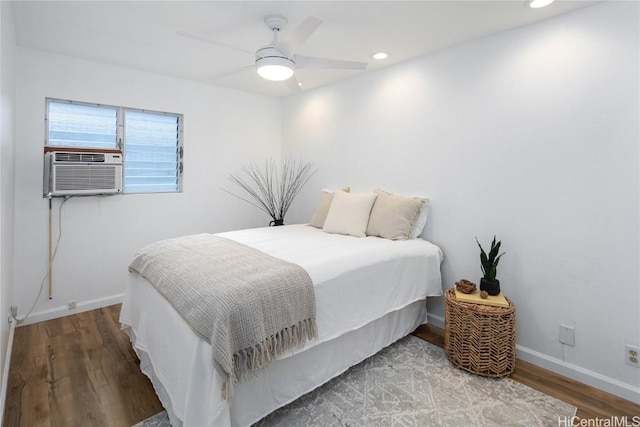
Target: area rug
x=411 y=383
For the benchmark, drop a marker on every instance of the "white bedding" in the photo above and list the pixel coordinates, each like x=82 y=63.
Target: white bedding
x=369 y=291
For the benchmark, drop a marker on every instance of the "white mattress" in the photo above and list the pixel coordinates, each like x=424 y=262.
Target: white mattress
x=369 y=292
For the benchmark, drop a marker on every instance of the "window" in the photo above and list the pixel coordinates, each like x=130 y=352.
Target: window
x=151 y=152
x=151 y=142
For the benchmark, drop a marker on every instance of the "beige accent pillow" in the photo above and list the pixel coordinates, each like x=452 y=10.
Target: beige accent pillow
x=393 y=217
x=349 y=213
x=320 y=215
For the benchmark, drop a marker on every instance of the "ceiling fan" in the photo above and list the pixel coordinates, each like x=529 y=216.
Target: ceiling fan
x=278 y=60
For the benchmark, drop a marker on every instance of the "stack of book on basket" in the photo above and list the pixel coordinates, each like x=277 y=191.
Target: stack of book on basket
x=474 y=298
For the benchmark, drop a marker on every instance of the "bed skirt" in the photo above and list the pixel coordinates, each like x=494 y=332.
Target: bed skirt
x=179 y=366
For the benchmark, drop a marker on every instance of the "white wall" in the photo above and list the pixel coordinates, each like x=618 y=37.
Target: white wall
x=531 y=134
x=223 y=129
x=7 y=100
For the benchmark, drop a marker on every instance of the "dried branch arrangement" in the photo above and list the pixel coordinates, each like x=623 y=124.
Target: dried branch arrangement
x=270 y=189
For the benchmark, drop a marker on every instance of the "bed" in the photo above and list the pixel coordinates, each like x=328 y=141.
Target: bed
x=369 y=292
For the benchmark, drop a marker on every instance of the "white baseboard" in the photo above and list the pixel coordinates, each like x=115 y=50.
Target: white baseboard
x=61 y=311
x=5 y=372
x=435 y=320
x=569 y=370
x=577 y=373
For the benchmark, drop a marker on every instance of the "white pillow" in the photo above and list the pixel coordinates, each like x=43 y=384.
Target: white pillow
x=421 y=222
x=320 y=215
x=349 y=213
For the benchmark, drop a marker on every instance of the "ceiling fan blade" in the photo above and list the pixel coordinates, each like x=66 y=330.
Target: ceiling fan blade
x=293 y=85
x=299 y=35
x=209 y=40
x=233 y=71
x=303 y=61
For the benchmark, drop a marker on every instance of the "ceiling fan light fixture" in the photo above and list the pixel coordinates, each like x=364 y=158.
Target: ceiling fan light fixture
x=536 y=4
x=278 y=60
x=275 y=68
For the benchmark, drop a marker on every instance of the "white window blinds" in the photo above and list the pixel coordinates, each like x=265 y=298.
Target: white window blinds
x=152 y=152
x=82 y=125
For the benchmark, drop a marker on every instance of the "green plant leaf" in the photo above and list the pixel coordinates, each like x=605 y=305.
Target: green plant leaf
x=483 y=258
x=495 y=248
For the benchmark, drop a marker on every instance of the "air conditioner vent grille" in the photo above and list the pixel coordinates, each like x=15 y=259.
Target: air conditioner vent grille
x=82 y=177
x=80 y=157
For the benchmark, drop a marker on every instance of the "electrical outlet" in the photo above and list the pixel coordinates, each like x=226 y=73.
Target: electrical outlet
x=72 y=305
x=567 y=335
x=14 y=311
x=632 y=355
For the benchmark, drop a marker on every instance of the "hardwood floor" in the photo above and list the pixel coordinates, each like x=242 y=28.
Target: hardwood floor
x=80 y=370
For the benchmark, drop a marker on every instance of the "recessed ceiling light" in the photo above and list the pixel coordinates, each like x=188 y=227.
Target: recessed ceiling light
x=537 y=4
x=300 y=84
x=380 y=55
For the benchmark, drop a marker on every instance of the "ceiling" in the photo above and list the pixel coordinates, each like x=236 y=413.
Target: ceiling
x=143 y=34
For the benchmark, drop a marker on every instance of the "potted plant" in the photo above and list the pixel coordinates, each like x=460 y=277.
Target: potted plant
x=272 y=189
x=489 y=265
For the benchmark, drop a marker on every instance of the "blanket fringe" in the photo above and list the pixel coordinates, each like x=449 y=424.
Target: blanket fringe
x=248 y=362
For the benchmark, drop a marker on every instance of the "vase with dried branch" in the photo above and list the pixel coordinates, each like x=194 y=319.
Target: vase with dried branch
x=272 y=189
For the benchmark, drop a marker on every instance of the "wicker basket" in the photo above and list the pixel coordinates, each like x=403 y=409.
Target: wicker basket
x=480 y=338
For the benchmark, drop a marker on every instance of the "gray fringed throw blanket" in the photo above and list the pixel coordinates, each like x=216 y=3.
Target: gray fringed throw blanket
x=250 y=306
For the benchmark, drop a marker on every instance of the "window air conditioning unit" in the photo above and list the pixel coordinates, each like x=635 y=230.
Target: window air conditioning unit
x=69 y=173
